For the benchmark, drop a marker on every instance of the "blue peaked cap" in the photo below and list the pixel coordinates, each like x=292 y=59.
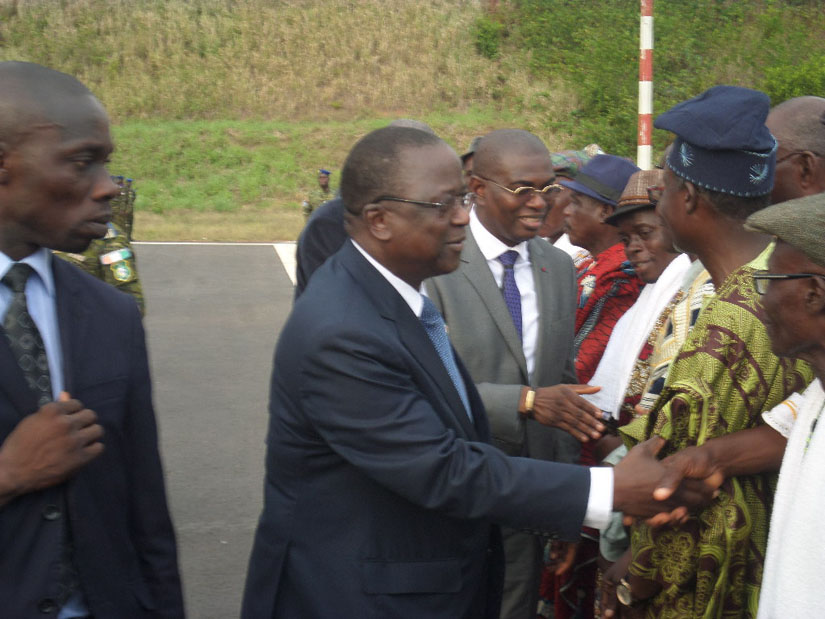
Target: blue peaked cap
x=722 y=143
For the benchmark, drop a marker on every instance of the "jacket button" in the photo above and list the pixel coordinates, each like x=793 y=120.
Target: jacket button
x=47 y=605
x=51 y=512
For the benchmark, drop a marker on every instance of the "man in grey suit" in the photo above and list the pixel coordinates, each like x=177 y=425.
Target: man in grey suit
x=510 y=309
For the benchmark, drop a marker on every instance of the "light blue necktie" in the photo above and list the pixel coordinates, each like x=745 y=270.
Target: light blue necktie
x=436 y=329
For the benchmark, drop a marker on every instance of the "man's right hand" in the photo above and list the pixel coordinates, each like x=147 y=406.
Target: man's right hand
x=47 y=447
x=640 y=479
x=560 y=406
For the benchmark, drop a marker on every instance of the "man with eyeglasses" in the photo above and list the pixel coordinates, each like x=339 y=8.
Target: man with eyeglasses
x=799 y=127
x=719 y=172
x=381 y=486
x=510 y=308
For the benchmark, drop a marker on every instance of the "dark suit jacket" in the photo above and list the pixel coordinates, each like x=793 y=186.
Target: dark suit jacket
x=322 y=236
x=380 y=493
x=482 y=331
x=124 y=545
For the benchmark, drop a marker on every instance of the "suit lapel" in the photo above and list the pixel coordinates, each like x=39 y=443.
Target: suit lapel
x=72 y=319
x=542 y=280
x=478 y=273
x=412 y=335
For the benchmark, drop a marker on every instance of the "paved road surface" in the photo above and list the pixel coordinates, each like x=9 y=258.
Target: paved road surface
x=213 y=315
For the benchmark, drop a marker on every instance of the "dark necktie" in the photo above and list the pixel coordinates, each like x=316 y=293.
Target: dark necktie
x=512 y=296
x=24 y=338
x=27 y=346
x=436 y=329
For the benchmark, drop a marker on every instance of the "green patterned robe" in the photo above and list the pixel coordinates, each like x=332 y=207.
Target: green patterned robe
x=724 y=376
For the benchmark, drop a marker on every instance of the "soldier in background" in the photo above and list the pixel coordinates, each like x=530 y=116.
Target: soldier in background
x=111 y=258
x=319 y=195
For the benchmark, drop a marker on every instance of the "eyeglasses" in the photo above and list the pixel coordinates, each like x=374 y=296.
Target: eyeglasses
x=521 y=192
x=796 y=152
x=761 y=278
x=654 y=193
x=463 y=201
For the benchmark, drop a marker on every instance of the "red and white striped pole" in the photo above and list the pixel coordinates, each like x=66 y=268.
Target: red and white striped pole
x=644 y=149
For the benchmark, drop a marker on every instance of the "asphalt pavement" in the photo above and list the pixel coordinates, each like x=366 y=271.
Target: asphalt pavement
x=213 y=316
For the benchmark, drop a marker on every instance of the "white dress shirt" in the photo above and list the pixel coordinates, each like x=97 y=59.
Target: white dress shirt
x=600 y=497
x=491 y=248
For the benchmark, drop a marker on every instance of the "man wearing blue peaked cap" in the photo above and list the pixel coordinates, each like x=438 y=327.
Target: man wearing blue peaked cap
x=722 y=143
x=725 y=375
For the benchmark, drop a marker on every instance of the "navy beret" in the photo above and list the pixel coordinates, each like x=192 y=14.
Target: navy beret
x=722 y=142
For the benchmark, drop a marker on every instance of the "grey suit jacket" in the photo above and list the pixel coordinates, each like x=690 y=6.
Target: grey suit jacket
x=483 y=333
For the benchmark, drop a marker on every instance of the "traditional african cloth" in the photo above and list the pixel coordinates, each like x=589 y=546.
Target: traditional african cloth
x=608 y=286
x=792 y=583
x=724 y=376
x=666 y=339
x=630 y=334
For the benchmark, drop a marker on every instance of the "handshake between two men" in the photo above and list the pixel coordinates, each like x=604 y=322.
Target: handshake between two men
x=661 y=491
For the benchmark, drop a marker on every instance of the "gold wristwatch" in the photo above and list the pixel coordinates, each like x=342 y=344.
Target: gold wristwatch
x=529 y=402
x=624 y=594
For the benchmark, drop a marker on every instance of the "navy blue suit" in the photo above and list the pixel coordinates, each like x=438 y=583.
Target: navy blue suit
x=124 y=545
x=381 y=494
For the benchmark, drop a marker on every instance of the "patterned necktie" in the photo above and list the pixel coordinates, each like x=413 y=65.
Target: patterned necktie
x=27 y=346
x=512 y=296
x=24 y=338
x=437 y=330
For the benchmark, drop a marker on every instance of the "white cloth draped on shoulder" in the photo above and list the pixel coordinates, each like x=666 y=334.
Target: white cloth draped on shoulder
x=793 y=579
x=630 y=334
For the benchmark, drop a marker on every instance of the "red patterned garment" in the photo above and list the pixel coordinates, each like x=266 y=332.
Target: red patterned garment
x=608 y=287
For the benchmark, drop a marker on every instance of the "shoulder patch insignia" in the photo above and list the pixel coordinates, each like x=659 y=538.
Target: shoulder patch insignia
x=121 y=271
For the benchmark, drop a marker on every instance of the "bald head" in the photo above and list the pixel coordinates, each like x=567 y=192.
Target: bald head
x=411 y=123
x=34 y=96
x=799 y=127
x=374 y=165
x=495 y=148
x=799 y=124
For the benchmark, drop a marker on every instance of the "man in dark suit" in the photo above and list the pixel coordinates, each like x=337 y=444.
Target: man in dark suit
x=84 y=526
x=520 y=352
x=381 y=488
x=324 y=232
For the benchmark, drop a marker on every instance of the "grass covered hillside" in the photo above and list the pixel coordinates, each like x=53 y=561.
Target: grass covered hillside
x=223 y=109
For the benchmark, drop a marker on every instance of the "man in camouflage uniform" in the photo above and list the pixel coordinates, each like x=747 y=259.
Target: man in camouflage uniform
x=319 y=195
x=111 y=258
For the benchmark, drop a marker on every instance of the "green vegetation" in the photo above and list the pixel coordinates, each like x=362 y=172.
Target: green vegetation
x=223 y=109
x=777 y=47
x=187 y=171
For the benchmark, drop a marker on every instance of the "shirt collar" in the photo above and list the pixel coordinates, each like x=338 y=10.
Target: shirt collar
x=410 y=295
x=491 y=247
x=40 y=261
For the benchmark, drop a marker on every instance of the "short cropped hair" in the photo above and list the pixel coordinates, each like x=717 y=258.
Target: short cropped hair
x=729 y=205
x=31 y=93
x=803 y=124
x=372 y=167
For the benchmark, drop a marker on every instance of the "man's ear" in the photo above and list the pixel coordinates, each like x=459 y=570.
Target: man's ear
x=377 y=221
x=691 y=197
x=477 y=186
x=807 y=169
x=605 y=211
x=815 y=295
